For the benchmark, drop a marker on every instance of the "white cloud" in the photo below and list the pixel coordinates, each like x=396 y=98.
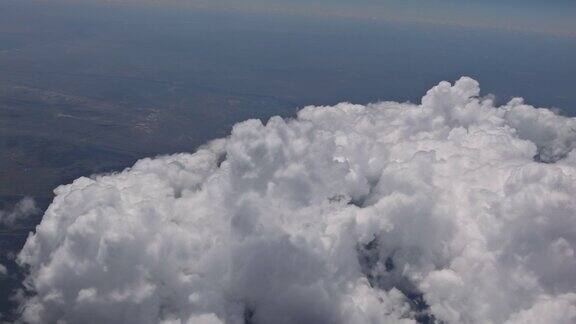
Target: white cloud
x=348 y=214
x=21 y=211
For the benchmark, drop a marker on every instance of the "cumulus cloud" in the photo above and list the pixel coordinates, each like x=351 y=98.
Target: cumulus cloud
x=452 y=210
x=21 y=211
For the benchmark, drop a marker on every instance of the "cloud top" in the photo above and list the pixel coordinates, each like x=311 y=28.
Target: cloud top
x=453 y=209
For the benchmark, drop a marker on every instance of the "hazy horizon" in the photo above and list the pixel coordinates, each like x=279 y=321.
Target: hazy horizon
x=554 y=18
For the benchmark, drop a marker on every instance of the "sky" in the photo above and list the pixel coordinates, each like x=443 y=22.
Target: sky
x=555 y=17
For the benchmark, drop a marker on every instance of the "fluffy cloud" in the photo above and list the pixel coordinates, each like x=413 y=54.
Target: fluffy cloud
x=454 y=210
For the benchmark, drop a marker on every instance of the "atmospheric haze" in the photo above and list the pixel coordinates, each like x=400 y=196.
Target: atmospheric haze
x=451 y=210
